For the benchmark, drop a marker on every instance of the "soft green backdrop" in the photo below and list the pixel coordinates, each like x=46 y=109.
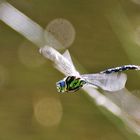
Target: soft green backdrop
x=105 y=37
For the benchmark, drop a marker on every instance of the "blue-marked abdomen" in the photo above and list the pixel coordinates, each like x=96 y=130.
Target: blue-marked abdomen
x=121 y=68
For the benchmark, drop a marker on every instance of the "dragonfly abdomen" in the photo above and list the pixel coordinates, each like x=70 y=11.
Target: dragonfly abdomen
x=121 y=68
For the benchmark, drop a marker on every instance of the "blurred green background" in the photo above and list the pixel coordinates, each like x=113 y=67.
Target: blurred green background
x=107 y=35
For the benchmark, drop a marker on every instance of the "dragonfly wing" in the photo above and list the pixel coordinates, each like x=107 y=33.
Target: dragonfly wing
x=66 y=54
x=65 y=65
x=62 y=62
x=109 y=82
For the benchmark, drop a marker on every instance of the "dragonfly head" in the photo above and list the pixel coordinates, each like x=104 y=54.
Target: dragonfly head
x=61 y=86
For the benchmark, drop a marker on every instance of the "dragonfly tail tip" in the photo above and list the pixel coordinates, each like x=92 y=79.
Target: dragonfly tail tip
x=138 y=68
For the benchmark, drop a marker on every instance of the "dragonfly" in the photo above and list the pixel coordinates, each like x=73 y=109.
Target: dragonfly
x=112 y=79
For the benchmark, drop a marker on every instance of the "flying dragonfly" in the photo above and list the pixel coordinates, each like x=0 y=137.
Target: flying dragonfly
x=109 y=80
x=112 y=79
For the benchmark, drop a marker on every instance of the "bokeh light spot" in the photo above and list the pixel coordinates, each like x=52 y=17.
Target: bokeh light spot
x=62 y=30
x=29 y=56
x=48 y=111
x=136 y=1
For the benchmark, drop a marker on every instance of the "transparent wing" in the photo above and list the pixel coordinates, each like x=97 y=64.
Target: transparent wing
x=61 y=62
x=67 y=67
x=108 y=82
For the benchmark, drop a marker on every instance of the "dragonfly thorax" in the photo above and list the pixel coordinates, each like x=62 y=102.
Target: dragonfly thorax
x=70 y=84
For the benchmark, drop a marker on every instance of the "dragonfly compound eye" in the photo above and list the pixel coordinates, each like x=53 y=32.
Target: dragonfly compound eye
x=61 y=86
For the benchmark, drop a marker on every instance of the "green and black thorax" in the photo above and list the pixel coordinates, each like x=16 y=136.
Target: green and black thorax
x=70 y=84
